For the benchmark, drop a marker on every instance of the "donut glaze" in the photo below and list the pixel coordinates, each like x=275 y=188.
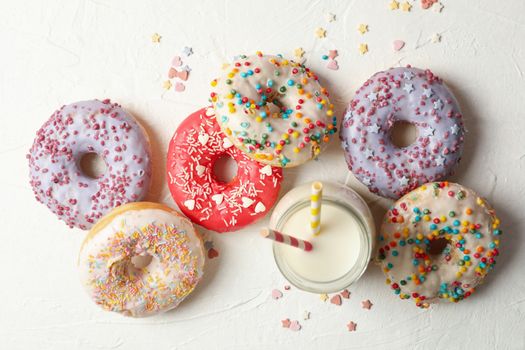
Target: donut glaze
x=218 y=206
x=141 y=229
x=402 y=94
x=273 y=109
x=84 y=127
x=447 y=216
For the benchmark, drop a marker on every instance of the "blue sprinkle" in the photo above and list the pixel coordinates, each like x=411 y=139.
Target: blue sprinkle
x=224 y=119
x=456 y=223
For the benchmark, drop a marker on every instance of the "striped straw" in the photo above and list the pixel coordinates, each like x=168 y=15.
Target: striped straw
x=316 y=199
x=286 y=239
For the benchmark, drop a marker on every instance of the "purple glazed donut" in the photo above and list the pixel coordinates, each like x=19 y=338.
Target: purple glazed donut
x=411 y=95
x=84 y=127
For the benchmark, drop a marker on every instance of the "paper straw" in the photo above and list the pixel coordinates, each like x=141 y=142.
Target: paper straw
x=286 y=239
x=316 y=198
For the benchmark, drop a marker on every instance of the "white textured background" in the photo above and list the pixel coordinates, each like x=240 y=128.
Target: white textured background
x=56 y=52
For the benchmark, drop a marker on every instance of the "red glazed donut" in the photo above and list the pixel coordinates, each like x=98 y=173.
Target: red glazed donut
x=207 y=201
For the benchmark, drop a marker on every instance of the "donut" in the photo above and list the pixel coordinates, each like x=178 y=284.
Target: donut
x=74 y=130
x=274 y=109
x=194 y=148
x=438 y=242
x=171 y=254
x=411 y=95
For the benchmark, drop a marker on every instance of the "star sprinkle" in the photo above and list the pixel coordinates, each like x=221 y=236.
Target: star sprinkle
x=438 y=104
x=155 y=38
x=285 y=323
x=440 y=161
x=428 y=92
x=436 y=38
x=363 y=48
x=374 y=128
x=351 y=326
x=299 y=52
x=408 y=88
x=368 y=153
x=408 y=75
x=429 y=132
x=438 y=7
x=454 y=129
x=403 y=182
x=345 y=294
x=366 y=181
x=363 y=28
x=406 y=6
x=366 y=304
x=187 y=51
x=167 y=85
x=306 y=315
x=330 y=17
x=320 y=33
x=332 y=54
x=323 y=297
x=394 y=5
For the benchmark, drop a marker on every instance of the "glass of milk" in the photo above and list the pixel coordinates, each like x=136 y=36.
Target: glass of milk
x=341 y=251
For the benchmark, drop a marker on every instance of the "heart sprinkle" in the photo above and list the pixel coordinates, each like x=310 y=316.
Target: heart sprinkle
x=336 y=300
x=277 y=294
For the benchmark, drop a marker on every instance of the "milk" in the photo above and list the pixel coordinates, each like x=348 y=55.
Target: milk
x=336 y=248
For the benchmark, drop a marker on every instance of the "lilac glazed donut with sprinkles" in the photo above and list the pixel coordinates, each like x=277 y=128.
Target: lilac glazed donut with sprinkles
x=273 y=109
x=408 y=95
x=77 y=129
x=438 y=242
x=141 y=259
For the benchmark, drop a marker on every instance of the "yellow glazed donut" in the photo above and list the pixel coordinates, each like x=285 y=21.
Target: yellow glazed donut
x=141 y=232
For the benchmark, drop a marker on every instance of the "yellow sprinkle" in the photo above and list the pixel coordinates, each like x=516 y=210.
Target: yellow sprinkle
x=167 y=85
x=299 y=52
x=155 y=38
x=406 y=6
x=320 y=33
x=363 y=48
x=324 y=297
x=394 y=5
x=363 y=28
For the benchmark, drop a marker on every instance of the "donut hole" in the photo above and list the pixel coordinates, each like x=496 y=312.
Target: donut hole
x=275 y=107
x=92 y=165
x=141 y=261
x=224 y=169
x=437 y=246
x=403 y=133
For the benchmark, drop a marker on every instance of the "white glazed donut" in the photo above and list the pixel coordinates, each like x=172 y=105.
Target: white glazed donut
x=438 y=242
x=141 y=230
x=84 y=127
x=273 y=109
